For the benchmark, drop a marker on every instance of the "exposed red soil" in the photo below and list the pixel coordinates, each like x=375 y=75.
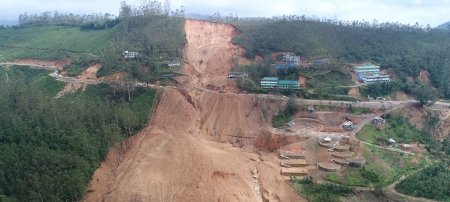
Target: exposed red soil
x=210 y=54
x=354 y=92
x=302 y=80
x=424 y=77
x=185 y=153
x=89 y=74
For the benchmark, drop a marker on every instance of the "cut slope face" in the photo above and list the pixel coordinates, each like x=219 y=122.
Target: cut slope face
x=210 y=54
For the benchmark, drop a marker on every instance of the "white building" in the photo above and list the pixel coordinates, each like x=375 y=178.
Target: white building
x=291 y=59
x=129 y=55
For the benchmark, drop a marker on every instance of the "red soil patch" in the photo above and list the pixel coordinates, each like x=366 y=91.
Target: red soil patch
x=302 y=80
x=424 y=77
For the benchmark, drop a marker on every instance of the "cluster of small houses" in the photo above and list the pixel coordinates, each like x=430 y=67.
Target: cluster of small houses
x=365 y=73
x=132 y=55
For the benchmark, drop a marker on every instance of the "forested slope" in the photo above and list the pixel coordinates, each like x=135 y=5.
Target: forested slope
x=49 y=148
x=405 y=49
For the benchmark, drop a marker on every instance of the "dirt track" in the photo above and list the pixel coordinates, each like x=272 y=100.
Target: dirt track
x=185 y=153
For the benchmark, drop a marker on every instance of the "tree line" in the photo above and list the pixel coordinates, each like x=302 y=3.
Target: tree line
x=99 y=20
x=92 y=21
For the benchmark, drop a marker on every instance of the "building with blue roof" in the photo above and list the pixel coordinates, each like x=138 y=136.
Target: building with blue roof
x=274 y=82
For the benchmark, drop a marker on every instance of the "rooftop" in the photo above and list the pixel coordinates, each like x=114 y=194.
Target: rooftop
x=367 y=67
x=287 y=82
x=269 y=79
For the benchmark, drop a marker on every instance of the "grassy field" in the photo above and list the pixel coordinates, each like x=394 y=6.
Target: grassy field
x=329 y=79
x=50 y=42
x=396 y=128
x=382 y=167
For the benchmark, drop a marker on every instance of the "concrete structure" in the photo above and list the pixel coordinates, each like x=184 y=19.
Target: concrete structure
x=356 y=162
x=329 y=167
x=274 y=82
x=292 y=59
x=293 y=162
x=378 y=121
x=292 y=155
x=233 y=75
x=370 y=74
x=367 y=69
x=269 y=82
x=325 y=144
x=373 y=78
x=294 y=171
x=341 y=155
x=129 y=55
x=342 y=148
x=342 y=162
x=288 y=84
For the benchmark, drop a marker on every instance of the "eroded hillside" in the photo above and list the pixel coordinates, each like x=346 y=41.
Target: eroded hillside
x=209 y=54
x=185 y=153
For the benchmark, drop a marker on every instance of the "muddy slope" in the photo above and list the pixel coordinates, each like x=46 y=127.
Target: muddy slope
x=210 y=54
x=186 y=153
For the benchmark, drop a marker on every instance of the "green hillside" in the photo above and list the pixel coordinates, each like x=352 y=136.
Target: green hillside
x=405 y=49
x=51 y=42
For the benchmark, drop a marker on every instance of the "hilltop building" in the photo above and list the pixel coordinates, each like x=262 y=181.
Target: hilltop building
x=274 y=82
x=129 y=55
x=374 y=78
x=367 y=69
x=370 y=74
x=292 y=59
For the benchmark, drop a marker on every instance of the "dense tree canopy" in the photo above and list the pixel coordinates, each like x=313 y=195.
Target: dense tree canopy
x=49 y=148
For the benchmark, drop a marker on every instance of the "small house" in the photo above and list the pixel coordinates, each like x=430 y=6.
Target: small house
x=172 y=63
x=292 y=59
x=129 y=55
